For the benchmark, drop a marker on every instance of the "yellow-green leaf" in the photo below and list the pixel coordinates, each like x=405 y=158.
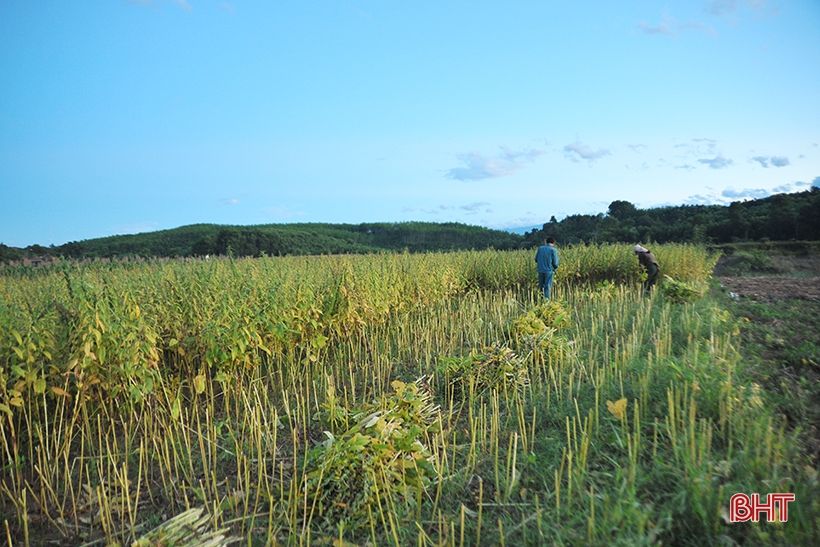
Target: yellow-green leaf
x=199 y=384
x=59 y=391
x=40 y=386
x=617 y=408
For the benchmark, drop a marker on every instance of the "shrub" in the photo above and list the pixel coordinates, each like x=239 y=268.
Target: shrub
x=382 y=455
x=680 y=292
x=491 y=367
x=553 y=314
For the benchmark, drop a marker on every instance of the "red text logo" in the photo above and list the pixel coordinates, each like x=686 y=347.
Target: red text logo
x=743 y=508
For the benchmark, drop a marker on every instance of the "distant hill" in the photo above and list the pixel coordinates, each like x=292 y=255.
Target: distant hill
x=281 y=239
x=778 y=217
x=521 y=230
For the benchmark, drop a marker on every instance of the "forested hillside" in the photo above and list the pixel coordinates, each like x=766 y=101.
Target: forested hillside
x=291 y=239
x=778 y=218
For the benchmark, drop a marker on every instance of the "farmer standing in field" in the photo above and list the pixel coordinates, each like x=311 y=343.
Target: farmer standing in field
x=546 y=257
x=650 y=264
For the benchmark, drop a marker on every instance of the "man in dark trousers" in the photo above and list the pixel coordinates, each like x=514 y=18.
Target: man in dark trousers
x=650 y=264
x=546 y=257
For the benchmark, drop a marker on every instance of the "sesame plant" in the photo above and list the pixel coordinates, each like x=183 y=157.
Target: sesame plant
x=386 y=399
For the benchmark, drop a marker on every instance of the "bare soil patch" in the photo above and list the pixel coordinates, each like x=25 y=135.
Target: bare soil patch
x=773 y=287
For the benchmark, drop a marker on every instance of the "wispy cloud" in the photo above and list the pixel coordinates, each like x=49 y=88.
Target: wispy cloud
x=577 y=151
x=229 y=201
x=757 y=193
x=467 y=208
x=746 y=193
x=696 y=148
x=669 y=26
x=638 y=148
x=701 y=150
x=775 y=161
x=183 y=4
x=476 y=206
x=479 y=166
x=720 y=8
x=703 y=199
x=664 y=28
x=762 y=160
x=718 y=162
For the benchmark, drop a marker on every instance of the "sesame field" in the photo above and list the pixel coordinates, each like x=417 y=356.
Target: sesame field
x=387 y=399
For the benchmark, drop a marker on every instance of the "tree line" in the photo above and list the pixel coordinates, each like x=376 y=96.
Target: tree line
x=279 y=240
x=778 y=217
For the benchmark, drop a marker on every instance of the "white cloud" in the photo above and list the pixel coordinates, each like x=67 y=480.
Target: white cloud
x=746 y=193
x=718 y=162
x=478 y=166
x=579 y=151
x=758 y=193
x=703 y=199
x=775 y=161
x=229 y=201
x=474 y=207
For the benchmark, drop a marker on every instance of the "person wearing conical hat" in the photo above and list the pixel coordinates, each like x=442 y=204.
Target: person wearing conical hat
x=650 y=265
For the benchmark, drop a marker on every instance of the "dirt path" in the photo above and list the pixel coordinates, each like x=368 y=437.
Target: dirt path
x=773 y=287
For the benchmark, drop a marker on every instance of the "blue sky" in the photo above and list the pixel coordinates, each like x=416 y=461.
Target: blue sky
x=121 y=116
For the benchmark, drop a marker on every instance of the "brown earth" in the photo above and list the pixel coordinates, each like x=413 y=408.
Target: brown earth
x=773 y=287
x=781 y=277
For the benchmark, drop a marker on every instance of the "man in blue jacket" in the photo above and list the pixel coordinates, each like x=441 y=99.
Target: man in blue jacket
x=547 y=259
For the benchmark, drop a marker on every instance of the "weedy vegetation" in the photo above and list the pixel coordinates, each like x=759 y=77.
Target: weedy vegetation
x=395 y=399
